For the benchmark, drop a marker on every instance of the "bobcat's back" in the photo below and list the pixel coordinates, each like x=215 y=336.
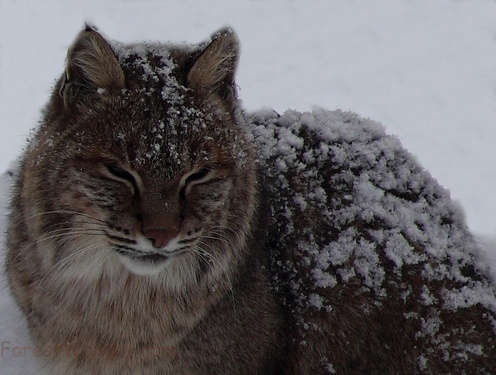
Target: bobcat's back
x=369 y=253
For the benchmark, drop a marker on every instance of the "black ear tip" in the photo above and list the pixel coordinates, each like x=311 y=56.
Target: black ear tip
x=227 y=30
x=89 y=26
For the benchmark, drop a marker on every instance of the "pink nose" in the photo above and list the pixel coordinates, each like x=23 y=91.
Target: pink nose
x=160 y=237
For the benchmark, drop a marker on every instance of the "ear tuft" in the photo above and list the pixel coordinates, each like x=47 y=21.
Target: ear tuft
x=214 y=70
x=89 y=27
x=91 y=65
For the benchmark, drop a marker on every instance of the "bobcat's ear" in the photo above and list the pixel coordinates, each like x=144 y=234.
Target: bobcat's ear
x=213 y=71
x=91 y=65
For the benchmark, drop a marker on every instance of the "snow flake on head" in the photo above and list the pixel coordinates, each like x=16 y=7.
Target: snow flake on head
x=152 y=60
x=161 y=118
x=162 y=127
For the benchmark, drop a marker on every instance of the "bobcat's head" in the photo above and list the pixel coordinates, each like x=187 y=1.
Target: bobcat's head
x=140 y=162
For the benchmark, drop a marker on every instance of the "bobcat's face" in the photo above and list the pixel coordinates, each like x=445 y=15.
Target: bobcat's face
x=153 y=174
x=155 y=196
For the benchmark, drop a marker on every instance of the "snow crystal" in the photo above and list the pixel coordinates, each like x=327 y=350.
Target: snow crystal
x=328 y=367
x=468 y=296
x=430 y=326
x=422 y=362
x=324 y=279
x=427 y=298
x=316 y=301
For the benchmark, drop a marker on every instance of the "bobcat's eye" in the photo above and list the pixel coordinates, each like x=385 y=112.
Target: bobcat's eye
x=125 y=176
x=120 y=173
x=197 y=176
x=194 y=178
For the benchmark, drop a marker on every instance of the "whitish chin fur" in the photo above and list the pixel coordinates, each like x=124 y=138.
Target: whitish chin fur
x=173 y=273
x=90 y=262
x=144 y=268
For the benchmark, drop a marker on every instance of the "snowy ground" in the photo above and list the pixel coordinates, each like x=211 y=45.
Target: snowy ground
x=426 y=69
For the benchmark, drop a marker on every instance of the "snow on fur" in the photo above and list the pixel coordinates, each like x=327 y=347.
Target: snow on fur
x=379 y=220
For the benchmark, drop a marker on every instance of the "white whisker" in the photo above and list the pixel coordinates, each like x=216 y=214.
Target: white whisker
x=204 y=254
x=55 y=212
x=61 y=264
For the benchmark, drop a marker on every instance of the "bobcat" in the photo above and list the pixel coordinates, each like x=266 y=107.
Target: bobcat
x=157 y=228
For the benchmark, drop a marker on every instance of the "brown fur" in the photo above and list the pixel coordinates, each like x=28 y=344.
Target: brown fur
x=143 y=141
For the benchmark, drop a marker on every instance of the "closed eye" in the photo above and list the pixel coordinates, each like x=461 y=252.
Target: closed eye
x=120 y=173
x=197 y=176
x=125 y=176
